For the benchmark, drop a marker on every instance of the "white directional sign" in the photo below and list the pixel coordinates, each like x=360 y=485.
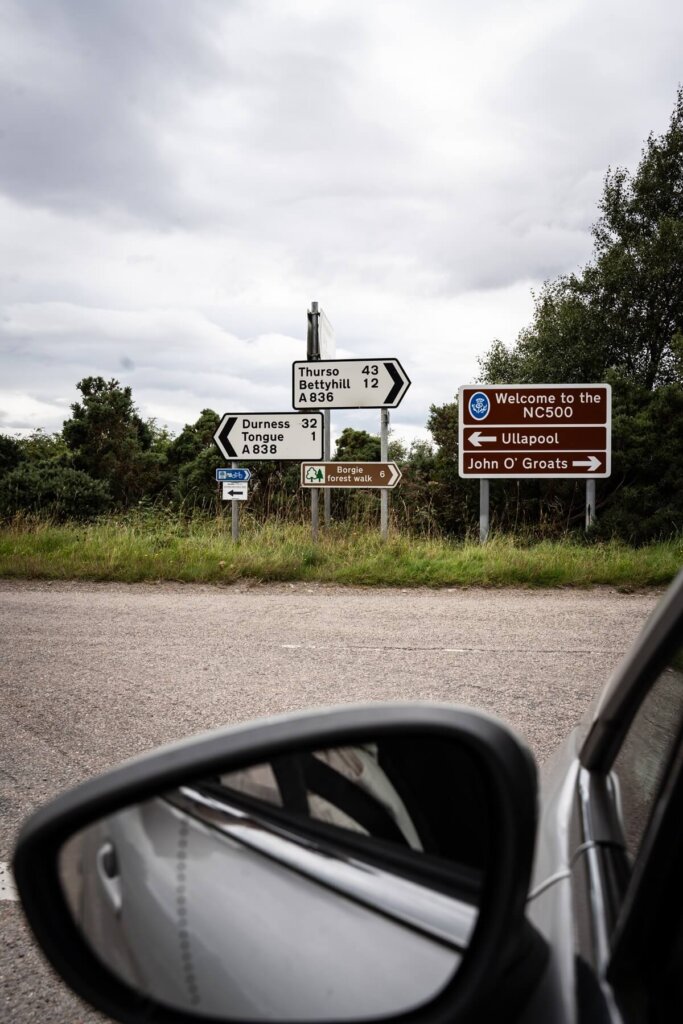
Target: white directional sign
x=269 y=436
x=348 y=384
x=235 y=492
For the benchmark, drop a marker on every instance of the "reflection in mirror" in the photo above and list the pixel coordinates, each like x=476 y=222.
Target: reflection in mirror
x=333 y=884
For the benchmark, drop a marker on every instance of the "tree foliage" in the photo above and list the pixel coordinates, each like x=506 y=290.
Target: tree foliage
x=109 y=441
x=619 y=320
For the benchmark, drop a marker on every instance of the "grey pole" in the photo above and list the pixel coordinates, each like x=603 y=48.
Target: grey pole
x=312 y=353
x=384 y=455
x=483 y=511
x=327 y=493
x=235 y=512
x=315 y=516
x=590 y=502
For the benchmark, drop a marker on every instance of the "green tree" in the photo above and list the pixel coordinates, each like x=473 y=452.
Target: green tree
x=358 y=445
x=621 y=320
x=109 y=441
x=195 y=438
x=45 y=448
x=623 y=314
x=10 y=453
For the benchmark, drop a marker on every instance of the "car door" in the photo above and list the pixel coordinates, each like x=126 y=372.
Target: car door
x=606 y=890
x=627 y=835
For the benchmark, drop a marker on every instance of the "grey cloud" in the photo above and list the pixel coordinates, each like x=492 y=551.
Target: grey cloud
x=82 y=133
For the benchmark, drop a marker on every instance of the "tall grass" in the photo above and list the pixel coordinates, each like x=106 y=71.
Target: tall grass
x=152 y=545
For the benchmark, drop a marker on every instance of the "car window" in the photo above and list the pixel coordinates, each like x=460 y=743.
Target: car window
x=641 y=763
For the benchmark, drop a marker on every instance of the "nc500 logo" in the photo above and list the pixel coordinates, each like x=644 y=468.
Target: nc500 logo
x=479 y=405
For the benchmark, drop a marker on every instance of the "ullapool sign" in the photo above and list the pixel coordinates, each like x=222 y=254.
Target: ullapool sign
x=532 y=430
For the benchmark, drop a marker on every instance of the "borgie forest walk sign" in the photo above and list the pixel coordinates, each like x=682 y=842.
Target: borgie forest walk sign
x=532 y=430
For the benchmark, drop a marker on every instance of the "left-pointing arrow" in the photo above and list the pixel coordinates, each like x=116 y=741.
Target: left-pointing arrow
x=476 y=438
x=222 y=436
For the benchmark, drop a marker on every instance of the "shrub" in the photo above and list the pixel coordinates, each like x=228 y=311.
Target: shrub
x=52 y=491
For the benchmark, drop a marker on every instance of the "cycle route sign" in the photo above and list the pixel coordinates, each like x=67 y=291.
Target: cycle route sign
x=516 y=431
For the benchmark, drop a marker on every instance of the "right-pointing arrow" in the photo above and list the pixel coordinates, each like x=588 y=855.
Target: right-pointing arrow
x=400 y=379
x=592 y=463
x=395 y=474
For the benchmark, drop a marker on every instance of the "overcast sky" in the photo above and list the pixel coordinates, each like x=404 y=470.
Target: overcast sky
x=180 y=178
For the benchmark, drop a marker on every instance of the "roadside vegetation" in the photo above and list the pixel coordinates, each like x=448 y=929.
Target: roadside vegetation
x=114 y=496
x=152 y=547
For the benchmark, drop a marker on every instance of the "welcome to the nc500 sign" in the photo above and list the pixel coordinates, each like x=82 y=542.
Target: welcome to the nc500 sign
x=529 y=430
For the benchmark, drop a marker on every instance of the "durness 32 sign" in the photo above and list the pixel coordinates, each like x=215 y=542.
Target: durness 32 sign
x=267 y=436
x=531 y=430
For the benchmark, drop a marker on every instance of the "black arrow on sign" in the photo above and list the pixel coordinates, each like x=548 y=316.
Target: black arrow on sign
x=225 y=433
x=398 y=380
x=235 y=492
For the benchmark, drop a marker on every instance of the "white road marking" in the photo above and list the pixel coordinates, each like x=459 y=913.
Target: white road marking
x=8 y=890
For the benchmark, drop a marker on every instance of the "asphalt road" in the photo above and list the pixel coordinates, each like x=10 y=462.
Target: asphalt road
x=91 y=674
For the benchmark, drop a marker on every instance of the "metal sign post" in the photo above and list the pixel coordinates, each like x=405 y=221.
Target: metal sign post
x=384 y=455
x=327 y=495
x=235 y=513
x=320 y=344
x=483 y=511
x=590 y=502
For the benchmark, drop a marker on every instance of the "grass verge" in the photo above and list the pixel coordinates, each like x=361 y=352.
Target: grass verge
x=201 y=551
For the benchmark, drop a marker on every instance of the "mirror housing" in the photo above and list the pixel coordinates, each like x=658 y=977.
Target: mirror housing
x=488 y=968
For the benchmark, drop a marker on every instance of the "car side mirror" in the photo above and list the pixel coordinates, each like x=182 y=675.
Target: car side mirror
x=362 y=863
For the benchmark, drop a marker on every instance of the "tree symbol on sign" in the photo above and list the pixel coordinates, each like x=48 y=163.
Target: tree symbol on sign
x=314 y=474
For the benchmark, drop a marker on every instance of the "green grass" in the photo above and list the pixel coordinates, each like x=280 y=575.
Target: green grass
x=157 y=547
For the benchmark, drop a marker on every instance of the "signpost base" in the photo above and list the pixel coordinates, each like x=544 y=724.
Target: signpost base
x=384 y=455
x=483 y=511
x=315 y=514
x=590 y=503
x=235 y=513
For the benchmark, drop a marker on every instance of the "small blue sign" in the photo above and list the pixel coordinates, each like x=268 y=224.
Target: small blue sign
x=480 y=406
x=233 y=475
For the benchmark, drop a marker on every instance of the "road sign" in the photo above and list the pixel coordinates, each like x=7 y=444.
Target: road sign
x=233 y=475
x=268 y=436
x=349 y=474
x=531 y=430
x=348 y=384
x=235 y=492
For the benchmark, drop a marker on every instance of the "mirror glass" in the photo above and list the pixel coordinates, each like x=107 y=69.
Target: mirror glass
x=325 y=884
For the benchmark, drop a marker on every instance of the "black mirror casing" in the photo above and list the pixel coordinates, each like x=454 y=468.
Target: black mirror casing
x=486 y=978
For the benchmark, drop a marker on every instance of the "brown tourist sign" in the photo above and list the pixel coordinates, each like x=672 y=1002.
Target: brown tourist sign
x=532 y=430
x=349 y=474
